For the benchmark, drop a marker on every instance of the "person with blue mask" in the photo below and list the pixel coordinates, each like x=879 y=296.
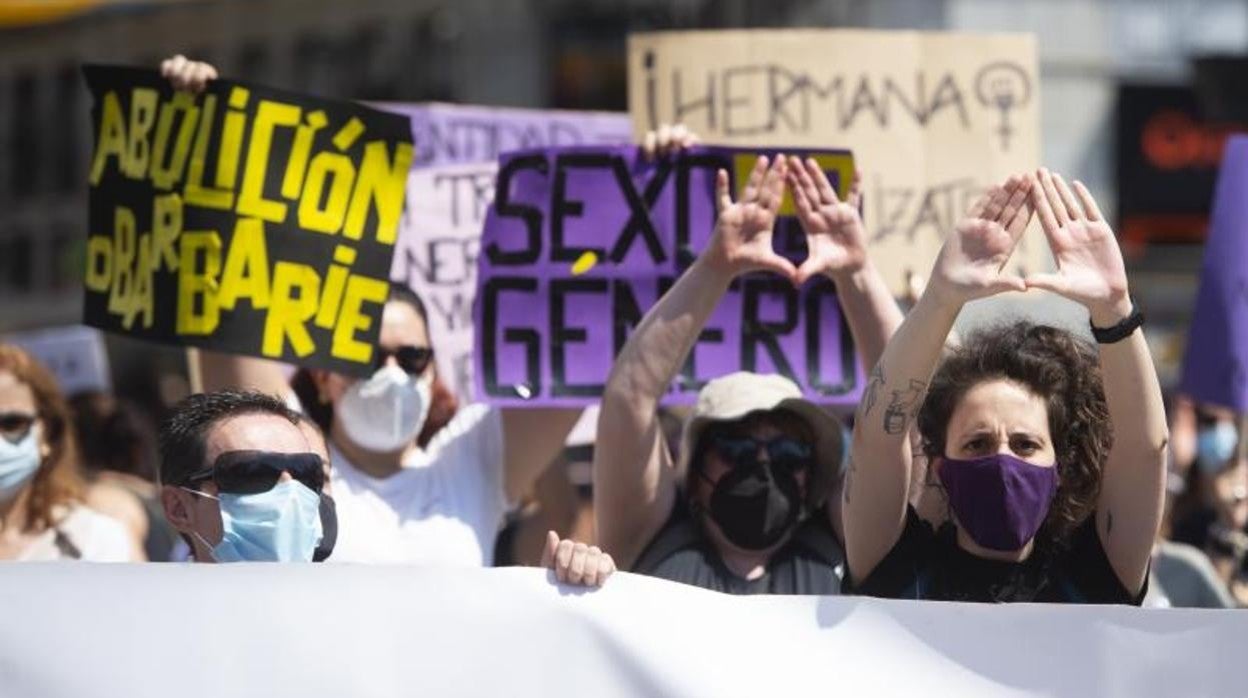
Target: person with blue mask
x=243 y=479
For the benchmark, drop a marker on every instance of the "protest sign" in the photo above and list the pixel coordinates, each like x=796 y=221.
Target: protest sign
x=448 y=192
x=581 y=242
x=245 y=219
x=294 y=630
x=447 y=134
x=932 y=118
x=75 y=355
x=1215 y=365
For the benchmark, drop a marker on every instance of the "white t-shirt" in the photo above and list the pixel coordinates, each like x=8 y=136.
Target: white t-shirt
x=444 y=507
x=83 y=534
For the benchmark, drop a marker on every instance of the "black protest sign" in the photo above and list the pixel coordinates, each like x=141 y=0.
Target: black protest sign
x=244 y=219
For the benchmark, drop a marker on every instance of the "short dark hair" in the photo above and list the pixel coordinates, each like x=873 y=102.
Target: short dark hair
x=1063 y=371
x=183 y=436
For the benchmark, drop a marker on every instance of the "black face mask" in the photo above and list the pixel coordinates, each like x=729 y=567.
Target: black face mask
x=329 y=529
x=755 y=506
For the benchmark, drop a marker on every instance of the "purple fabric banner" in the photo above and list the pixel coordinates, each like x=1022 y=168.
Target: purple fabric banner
x=445 y=134
x=581 y=242
x=1215 y=365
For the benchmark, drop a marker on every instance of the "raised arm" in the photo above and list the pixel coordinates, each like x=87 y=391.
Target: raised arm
x=969 y=266
x=634 y=486
x=837 y=245
x=1090 y=271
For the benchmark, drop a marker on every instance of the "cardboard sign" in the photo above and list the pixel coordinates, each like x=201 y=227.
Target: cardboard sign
x=244 y=219
x=448 y=191
x=932 y=118
x=446 y=134
x=581 y=242
x=74 y=354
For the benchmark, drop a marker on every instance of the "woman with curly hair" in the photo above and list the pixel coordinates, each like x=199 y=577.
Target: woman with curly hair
x=1051 y=452
x=42 y=516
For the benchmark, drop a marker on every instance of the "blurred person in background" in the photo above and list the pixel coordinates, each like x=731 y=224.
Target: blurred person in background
x=416 y=479
x=43 y=515
x=118 y=451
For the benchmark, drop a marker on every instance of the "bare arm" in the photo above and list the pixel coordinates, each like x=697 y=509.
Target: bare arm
x=532 y=438
x=1090 y=270
x=969 y=266
x=634 y=487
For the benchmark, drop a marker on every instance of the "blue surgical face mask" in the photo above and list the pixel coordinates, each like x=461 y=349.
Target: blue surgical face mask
x=19 y=461
x=1215 y=445
x=280 y=525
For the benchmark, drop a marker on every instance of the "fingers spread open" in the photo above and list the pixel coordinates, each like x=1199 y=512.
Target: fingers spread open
x=826 y=193
x=1000 y=197
x=981 y=204
x=1054 y=199
x=772 y=190
x=805 y=207
x=1073 y=209
x=855 y=191
x=750 y=193
x=722 y=199
x=1016 y=204
x=1048 y=219
x=1089 y=204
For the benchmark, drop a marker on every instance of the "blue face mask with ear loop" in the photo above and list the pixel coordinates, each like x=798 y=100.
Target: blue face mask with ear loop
x=19 y=461
x=282 y=524
x=1215 y=446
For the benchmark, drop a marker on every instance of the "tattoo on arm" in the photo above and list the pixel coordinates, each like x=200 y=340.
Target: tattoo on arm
x=902 y=408
x=873 y=390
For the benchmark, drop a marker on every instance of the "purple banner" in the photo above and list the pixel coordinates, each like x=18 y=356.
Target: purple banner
x=581 y=242
x=445 y=134
x=1215 y=366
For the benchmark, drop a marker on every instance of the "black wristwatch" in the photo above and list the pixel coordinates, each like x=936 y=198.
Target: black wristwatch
x=1120 y=331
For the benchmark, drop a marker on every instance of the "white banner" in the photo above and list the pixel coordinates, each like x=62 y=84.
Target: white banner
x=184 y=631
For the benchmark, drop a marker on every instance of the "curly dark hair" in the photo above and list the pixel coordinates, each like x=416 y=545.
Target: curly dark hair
x=1063 y=371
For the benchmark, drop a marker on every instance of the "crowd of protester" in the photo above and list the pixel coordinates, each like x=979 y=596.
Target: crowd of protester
x=1017 y=463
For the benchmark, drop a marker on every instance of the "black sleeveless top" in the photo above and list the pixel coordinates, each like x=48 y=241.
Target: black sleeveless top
x=927 y=563
x=812 y=562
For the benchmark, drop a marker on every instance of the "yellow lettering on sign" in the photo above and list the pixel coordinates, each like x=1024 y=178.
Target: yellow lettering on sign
x=340 y=172
x=111 y=140
x=198 y=282
x=166 y=226
x=166 y=171
x=141 y=293
x=300 y=150
x=195 y=192
x=246 y=272
x=99 y=263
x=232 y=138
x=335 y=282
x=142 y=118
x=123 y=260
x=251 y=201
x=383 y=182
x=292 y=304
x=360 y=290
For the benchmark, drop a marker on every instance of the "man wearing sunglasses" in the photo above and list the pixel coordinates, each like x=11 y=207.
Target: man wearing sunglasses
x=243 y=478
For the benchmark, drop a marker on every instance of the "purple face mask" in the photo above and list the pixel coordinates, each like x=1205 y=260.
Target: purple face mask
x=999 y=500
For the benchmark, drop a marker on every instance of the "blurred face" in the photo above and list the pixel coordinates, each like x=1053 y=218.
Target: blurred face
x=19 y=412
x=200 y=517
x=1000 y=416
x=401 y=326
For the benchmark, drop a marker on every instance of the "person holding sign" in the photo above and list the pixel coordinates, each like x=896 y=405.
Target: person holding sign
x=1052 y=453
x=414 y=479
x=42 y=515
x=744 y=507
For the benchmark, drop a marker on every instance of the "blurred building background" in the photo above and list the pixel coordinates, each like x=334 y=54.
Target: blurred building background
x=1137 y=96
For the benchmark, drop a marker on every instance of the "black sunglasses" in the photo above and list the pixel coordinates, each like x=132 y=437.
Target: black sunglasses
x=412 y=359
x=253 y=472
x=16 y=423
x=783 y=451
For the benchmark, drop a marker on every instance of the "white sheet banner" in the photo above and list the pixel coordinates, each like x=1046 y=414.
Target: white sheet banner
x=184 y=631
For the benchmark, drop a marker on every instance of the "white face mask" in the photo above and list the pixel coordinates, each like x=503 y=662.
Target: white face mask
x=18 y=462
x=387 y=411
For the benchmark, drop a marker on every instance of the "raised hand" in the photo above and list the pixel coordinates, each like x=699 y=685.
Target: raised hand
x=186 y=74
x=576 y=563
x=971 y=264
x=667 y=140
x=1089 y=264
x=741 y=242
x=835 y=238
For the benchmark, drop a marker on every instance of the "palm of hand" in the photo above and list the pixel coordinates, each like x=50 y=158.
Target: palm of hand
x=973 y=257
x=835 y=237
x=1088 y=259
x=745 y=232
